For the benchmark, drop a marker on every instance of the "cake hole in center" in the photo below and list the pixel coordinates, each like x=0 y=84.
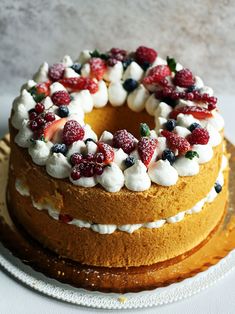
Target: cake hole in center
x=116 y=118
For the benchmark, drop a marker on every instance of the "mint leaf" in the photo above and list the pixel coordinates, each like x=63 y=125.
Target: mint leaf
x=97 y=54
x=191 y=154
x=171 y=64
x=144 y=129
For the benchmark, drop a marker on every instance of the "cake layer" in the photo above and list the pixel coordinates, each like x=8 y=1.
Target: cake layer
x=123 y=207
x=142 y=247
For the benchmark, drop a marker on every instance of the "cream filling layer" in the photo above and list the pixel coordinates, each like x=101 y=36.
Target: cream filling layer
x=129 y=228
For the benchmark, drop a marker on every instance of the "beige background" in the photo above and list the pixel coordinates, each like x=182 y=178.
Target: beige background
x=200 y=34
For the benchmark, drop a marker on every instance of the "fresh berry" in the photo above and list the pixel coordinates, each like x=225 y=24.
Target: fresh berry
x=51 y=128
x=126 y=63
x=75 y=173
x=115 y=55
x=39 y=107
x=176 y=142
x=144 y=129
x=76 y=159
x=146 y=148
x=218 y=187
x=40 y=121
x=98 y=170
x=63 y=111
x=75 y=84
x=60 y=98
x=191 y=88
x=199 y=136
x=65 y=218
x=197 y=112
x=107 y=151
x=111 y=61
x=130 y=84
x=98 y=68
x=32 y=114
x=129 y=161
x=43 y=88
x=157 y=75
x=59 y=148
x=169 y=155
x=86 y=169
x=49 y=116
x=170 y=125
x=33 y=125
x=125 y=140
x=193 y=126
x=184 y=78
x=99 y=157
x=89 y=157
x=56 y=71
x=145 y=65
x=77 y=67
x=72 y=132
x=145 y=54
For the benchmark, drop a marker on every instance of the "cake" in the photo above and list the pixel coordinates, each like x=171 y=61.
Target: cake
x=118 y=159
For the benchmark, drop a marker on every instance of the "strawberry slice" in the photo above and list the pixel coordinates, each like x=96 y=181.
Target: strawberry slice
x=43 y=88
x=156 y=74
x=76 y=84
x=146 y=148
x=98 y=68
x=107 y=151
x=176 y=142
x=197 y=112
x=51 y=128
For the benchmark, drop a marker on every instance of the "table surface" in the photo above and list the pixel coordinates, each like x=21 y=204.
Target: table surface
x=16 y=298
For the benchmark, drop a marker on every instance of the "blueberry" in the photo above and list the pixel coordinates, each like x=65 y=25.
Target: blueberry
x=169 y=155
x=145 y=65
x=191 y=88
x=77 y=67
x=59 y=148
x=170 y=125
x=194 y=126
x=63 y=111
x=169 y=101
x=130 y=84
x=89 y=140
x=218 y=187
x=126 y=63
x=130 y=160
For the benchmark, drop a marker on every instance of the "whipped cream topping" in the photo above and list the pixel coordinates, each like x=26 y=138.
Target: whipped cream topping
x=58 y=166
x=129 y=228
x=112 y=179
x=111 y=90
x=86 y=182
x=40 y=152
x=162 y=173
x=136 y=177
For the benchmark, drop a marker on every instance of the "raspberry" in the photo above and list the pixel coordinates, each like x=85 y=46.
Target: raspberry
x=98 y=68
x=60 y=98
x=65 y=218
x=107 y=152
x=111 y=61
x=72 y=132
x=176 y=142
x=125 y=140
x=196 y=111
x=56 y=71
x=199 y=136
x=146 y=148
x=184 y=78
x=115 y=55
x=144 y=54
x=157 y=75
x=39 y=107
x=75 y=84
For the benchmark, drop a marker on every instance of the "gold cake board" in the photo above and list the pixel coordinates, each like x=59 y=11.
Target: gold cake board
x=217 y=246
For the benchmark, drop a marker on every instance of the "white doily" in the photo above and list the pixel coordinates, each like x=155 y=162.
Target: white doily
x=159 y=296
